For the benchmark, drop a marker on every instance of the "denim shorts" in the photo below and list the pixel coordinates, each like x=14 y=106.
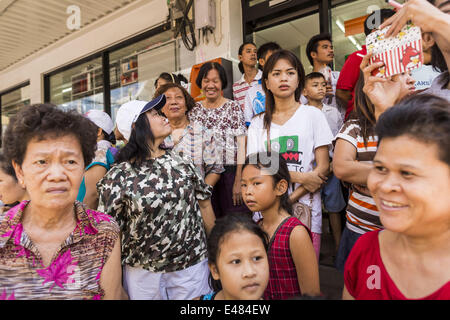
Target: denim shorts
x=332 y=197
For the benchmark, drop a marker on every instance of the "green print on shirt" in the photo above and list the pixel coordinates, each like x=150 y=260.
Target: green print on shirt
x=287 y=146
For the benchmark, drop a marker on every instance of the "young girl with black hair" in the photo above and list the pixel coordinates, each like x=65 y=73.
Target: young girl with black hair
x=237 y=258
x=293 y=265
x=300 y=133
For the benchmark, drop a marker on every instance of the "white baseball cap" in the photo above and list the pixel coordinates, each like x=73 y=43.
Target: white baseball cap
x=101 y=119
x=129 y=112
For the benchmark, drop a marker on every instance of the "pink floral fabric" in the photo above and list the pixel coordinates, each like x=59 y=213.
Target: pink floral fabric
x=75 y=271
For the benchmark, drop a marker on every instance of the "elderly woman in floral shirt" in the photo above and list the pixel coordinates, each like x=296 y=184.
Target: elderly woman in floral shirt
x=162 y=205
x=52 y=247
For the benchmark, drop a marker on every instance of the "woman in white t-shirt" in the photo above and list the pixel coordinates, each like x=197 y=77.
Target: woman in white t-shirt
x=300 y=133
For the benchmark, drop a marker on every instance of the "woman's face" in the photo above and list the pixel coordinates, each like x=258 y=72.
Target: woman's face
x=282 y=80
x=242 y=266
x=212 y=85
x=407 y=84
x=410 y=186
x=10 y=189
x=249 y=55
x=52 y=171
x=159 y=125
x=175 y=107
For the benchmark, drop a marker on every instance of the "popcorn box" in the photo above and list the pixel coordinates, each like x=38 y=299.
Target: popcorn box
x=401 y=53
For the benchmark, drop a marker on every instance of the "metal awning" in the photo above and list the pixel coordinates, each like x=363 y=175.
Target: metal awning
x=27 y=26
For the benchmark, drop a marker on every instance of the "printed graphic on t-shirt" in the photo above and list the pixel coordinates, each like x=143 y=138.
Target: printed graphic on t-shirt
x=287 y=147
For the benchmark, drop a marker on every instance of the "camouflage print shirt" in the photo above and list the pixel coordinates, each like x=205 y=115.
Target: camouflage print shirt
x=156 y=206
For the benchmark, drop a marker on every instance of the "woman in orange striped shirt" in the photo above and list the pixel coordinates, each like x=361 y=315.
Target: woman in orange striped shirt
x=355 y=148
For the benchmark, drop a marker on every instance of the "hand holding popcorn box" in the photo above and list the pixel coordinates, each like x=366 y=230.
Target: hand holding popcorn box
x=401 y=53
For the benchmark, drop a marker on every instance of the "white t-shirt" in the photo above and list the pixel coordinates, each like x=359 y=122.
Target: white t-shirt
x=296 y=141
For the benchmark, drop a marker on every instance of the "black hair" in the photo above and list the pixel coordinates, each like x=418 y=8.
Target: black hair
x=208 y=66
x=109 y=137
x=314 y=75
x=137 y=149
x=313 y=43
x=423 y=117
x=268 y=161
x=241 y=48
x=268 y=67
x=44 y=121
x=363 y=111
x=170 y=77
x=375 y=23
x=7 y=167
x=233 y=222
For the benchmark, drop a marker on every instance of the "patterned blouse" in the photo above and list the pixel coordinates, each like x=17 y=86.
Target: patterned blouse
x=75 y=270
x=225 y=123
x=156 y=206
x=198 y=147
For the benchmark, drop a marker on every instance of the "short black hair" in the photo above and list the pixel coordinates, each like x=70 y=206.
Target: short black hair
x=423 y=117
x=383 y=14
x=265 y=48
x=313 y=75
x=43 y=121
x=170 y=77
x=313 y=43
x=206 y=67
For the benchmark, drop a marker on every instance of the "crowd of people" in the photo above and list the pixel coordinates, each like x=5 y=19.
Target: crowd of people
x=207 y=199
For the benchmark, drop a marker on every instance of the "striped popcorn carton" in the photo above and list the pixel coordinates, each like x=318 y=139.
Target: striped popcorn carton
x=400 y=54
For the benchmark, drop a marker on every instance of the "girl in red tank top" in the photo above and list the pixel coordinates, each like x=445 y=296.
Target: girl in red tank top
x=293 y=265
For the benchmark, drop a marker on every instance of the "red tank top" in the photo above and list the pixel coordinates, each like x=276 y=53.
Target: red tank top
x=283 y=281
x=366 y=277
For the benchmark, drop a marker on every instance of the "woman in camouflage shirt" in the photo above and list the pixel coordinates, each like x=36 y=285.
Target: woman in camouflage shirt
x=163 y=207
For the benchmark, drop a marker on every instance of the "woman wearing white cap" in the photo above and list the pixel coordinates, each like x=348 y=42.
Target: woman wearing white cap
x=163 y=207
x=102 y=161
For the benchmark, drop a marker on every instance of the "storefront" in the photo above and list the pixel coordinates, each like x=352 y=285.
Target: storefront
x=119 y=58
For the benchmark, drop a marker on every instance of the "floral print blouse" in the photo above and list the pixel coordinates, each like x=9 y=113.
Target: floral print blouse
x=74 y=273
x=224 y=123
x=156 y=206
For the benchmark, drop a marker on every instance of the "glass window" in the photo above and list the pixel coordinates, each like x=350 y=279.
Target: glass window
x=79 y=88
x=135 y=68
x=293 y=35
x=346 y=45
x=12 y=102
